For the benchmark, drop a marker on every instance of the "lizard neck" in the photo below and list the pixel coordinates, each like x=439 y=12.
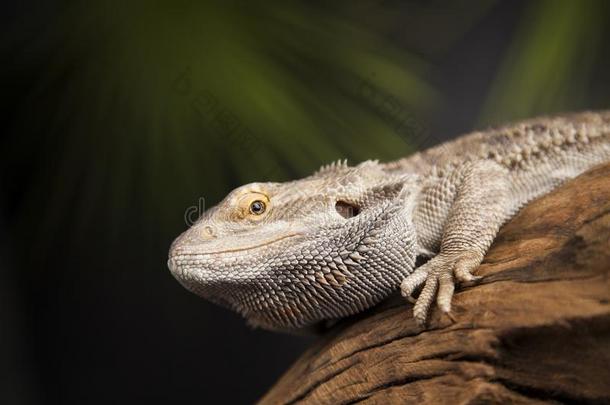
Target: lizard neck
x=433 y=197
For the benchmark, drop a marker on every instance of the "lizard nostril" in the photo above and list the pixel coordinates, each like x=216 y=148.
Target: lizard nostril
x=207 y=232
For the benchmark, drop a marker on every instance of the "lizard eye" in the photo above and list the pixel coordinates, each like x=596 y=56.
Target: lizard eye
x=253 y=205
x=257 y=207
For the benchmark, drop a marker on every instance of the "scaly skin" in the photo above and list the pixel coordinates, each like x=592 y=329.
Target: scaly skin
x=291 y=255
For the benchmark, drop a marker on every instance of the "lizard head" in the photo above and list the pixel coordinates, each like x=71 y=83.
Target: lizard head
x=291 y=255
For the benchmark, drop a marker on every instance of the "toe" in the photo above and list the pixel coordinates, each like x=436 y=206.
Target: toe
x=464 y=268
x=412 y=282
x=465 y=276
x=445 y=291
x=422 y=305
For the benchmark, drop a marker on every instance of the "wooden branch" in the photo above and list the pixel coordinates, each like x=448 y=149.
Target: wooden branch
x=535 y=330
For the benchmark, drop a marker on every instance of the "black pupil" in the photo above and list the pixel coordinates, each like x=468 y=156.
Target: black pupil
x=257 y=207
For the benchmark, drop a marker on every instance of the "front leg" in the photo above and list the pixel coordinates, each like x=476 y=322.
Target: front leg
x=479 y=207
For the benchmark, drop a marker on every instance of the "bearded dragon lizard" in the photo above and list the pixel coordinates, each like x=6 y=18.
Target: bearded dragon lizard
x=291 y=255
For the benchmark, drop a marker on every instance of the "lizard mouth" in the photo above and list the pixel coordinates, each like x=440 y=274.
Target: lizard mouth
x=249 y=247
x=238 y=244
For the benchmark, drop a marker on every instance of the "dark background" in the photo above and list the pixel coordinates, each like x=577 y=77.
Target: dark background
x=117 y=117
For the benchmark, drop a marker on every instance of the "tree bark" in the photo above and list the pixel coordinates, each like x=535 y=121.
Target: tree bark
x=535 y=329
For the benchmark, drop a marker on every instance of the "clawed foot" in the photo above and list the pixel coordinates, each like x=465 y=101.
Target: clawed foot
x=438 y=277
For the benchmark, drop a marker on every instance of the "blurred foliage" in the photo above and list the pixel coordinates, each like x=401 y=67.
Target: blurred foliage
x=547 y=67
x=199 y=97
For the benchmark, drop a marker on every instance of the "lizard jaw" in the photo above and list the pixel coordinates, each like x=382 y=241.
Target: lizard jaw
x=185 y=257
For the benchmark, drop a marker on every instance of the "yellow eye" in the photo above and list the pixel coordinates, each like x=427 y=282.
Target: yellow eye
x=253 y=205
x=257 y=207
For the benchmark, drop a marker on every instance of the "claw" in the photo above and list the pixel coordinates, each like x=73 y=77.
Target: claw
x=465 y=276
x=451 y=317
x=410 y=298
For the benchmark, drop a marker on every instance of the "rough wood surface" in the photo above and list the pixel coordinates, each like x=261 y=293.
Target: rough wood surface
x=535 y=330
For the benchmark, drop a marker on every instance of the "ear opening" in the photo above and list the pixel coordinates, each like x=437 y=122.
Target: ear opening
x=346 y=210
